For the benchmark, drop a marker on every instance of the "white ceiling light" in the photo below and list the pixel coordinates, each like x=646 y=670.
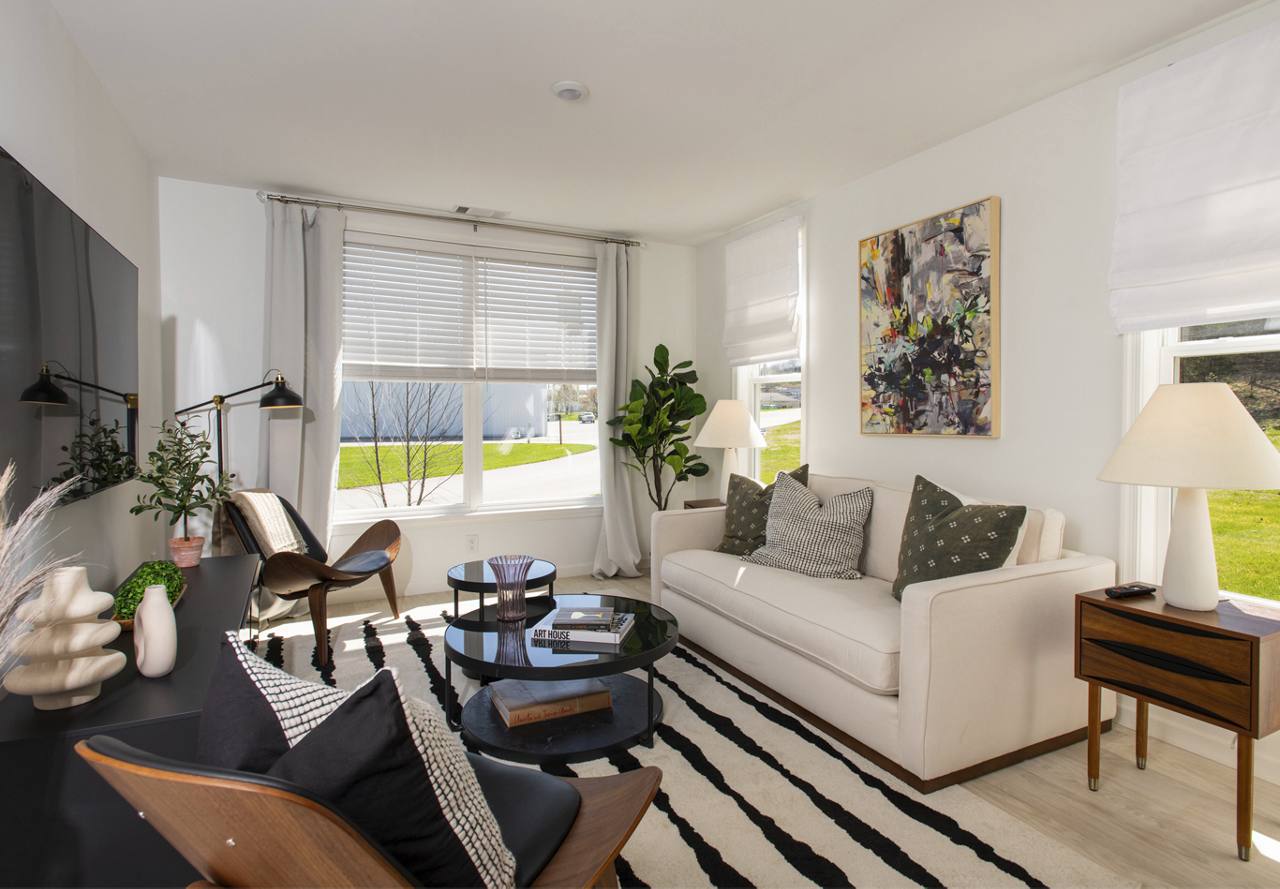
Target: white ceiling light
x=569 y=90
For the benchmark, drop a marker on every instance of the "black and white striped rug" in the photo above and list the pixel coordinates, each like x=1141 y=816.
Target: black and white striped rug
x=751 y=795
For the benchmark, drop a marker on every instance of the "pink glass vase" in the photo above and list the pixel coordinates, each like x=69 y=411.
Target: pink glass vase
x=510 y=574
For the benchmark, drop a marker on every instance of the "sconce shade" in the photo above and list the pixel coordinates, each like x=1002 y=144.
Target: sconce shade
x=279 y=396
x=44 y=391
x=730 y=425
x=1195 y=435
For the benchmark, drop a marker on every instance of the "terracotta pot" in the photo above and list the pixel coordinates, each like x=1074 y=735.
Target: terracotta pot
x=186 y=551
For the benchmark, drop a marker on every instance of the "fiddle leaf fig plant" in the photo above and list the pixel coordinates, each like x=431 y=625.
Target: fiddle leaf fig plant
x=175 y=471
x=654 y=426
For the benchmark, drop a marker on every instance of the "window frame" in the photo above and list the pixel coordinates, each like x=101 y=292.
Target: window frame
x=473 y=390
x=750 y=381
x=1151 y=360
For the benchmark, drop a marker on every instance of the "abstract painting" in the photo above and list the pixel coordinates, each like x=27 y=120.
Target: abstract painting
x=929 y=313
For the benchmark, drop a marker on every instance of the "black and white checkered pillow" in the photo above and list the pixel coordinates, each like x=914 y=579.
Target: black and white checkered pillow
x=809 y=537
x=385 y=760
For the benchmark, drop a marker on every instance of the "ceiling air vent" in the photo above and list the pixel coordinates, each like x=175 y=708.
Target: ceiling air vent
x=480 y=212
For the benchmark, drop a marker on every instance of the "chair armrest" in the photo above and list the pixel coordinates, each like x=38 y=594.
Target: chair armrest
x=678 y=529
x=987 y=662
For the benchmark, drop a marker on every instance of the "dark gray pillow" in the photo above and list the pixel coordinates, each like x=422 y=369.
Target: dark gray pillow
x=814 y=538
x=942 y=537
x=747 y=512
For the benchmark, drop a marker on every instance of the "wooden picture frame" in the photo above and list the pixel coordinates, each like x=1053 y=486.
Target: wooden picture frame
x=929 y=325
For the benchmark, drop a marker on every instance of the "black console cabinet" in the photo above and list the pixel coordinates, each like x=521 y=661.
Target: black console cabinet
x=62 y=825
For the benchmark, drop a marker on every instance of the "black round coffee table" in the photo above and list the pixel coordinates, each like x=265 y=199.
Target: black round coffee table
x=477 y=577
x=496 y=651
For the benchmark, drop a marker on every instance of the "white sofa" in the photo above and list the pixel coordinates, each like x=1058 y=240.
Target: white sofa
x=966 y=675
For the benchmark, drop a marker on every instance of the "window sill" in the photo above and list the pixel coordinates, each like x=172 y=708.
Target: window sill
x=358 y=521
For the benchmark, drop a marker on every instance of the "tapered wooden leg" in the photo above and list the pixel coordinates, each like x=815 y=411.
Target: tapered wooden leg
x=317 y=601
x=1140 y=741
x=1095 y=732
x=1244 y=796
x=389 y=587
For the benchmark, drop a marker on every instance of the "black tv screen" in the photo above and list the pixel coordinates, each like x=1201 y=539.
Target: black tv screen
x=68 y=344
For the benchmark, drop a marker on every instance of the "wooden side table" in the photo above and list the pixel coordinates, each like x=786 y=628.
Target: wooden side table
x=1221 y=667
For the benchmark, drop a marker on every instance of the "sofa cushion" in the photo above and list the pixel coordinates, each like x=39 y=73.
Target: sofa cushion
x=946 y=537
x=851 y=627
x=747 y=511
x=810 y=537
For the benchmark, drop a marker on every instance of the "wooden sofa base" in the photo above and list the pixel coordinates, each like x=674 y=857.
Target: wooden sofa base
x=923 y=785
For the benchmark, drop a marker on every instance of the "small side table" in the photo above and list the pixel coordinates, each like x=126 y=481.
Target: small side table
x=1221 y=667
x=477 y=577
x=703 y=504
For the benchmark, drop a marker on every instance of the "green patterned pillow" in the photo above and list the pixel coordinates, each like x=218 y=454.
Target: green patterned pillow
x=747 y=512
x=944 y=537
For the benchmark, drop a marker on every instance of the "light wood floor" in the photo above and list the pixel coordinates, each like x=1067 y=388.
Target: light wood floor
x=1170 y=825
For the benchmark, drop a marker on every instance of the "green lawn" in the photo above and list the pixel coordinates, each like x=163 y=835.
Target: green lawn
x=355 y=464
x=782 y=453
x=1246 y=537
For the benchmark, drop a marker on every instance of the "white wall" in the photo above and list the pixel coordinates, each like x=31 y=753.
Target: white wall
x=1052 y=166
x=212 y=245
x=58 y=121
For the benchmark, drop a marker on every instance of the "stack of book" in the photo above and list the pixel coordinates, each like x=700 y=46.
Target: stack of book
x=573 y=627
x=520 y=703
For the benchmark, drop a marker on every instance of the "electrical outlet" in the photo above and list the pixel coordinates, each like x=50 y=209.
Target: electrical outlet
x=473 y=543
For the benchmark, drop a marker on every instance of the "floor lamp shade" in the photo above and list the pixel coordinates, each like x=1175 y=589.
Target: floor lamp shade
x=729 y=426
x=1193 y=437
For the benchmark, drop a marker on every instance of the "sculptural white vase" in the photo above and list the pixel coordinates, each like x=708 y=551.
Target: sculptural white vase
x=64 y=663
x=155 y=633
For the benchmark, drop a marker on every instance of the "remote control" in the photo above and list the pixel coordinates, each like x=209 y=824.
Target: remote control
x=1129 y=590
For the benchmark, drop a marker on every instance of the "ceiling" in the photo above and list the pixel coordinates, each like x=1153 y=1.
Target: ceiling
x=702 y=115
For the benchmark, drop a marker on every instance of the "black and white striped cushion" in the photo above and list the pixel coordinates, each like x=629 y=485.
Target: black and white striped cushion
x=384 y=759
x=809 y=537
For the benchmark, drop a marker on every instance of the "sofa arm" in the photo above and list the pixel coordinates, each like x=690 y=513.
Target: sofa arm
x=673 y=530
x=987 y=662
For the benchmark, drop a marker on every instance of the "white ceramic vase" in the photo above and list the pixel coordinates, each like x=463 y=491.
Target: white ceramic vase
x=155 y=633
x=64 y=661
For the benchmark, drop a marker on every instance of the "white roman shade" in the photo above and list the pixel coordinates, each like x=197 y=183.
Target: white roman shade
x=1197 y=234
x=762 y=295
x=453 y=312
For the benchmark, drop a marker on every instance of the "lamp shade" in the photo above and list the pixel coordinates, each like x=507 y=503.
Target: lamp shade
x=1195 y=435
x=730 y=425
x=279 y=396
x=44 y=391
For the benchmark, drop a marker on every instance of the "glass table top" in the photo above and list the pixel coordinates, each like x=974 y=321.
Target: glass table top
x=470 y=575
x=499 y=649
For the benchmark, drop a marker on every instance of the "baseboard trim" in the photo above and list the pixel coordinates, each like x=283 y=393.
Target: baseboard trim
x=923 y=785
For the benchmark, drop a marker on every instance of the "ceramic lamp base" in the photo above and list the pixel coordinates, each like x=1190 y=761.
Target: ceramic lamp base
x=1190 y=568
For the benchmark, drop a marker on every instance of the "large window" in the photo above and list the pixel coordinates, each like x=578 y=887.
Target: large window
x=468 y=377
x=774 y=393
x=1246 y=524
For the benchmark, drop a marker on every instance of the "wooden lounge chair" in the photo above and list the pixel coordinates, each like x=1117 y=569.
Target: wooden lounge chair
x=293 y=575
x=242 y=829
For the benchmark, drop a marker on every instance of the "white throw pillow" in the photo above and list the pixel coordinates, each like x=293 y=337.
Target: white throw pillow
x=806 y=536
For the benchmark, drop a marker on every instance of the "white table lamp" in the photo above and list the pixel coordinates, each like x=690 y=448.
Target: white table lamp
x=1193 y=436
x=729 y=426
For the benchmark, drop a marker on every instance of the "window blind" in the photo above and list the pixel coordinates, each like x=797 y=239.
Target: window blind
x=428 y=314
x=1198 y=189
x=762 y=295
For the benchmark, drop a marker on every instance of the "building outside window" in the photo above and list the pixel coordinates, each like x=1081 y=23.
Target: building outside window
x=468 y=378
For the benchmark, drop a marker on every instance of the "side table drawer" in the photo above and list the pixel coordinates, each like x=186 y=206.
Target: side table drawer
x=1218 y=654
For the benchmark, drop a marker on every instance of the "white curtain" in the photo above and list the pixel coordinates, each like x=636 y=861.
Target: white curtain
x=618 y=551
x=762 y=294
x=298 y=458
x=1197 y=233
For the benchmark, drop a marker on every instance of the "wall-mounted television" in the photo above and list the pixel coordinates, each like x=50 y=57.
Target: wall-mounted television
x=68 y=345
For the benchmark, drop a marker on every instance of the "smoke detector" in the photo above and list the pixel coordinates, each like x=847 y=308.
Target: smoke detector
x=569 y=90
x=480 y=212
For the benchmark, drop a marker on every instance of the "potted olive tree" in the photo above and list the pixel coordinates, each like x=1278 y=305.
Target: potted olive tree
x=175 y=471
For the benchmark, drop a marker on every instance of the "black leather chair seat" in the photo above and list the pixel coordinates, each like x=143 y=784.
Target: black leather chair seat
x=364 y=563
x=534 y=811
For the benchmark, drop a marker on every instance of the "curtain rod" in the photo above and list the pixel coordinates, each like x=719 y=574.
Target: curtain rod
x=395 y=210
